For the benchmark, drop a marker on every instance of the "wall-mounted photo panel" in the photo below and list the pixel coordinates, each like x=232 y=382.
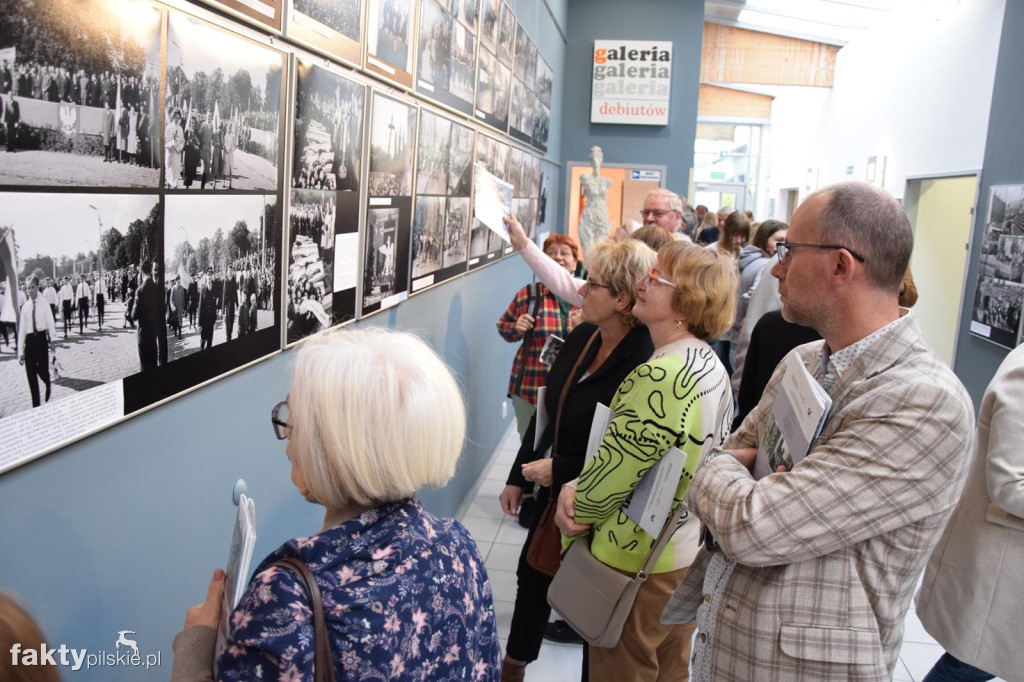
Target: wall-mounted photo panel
x=467 y=12
x=87 y=252
x=544 y=81
x=541 y=124
x=999 y=296
x=389 y=206
x=490 y=24
x=521 y=112
x=80 y=98
x=330 y=26
x=323 y=234
x=262 y=13
x=494 y=73
x=506 y=36
x=389 y=39
x=219 y=269
x=223 y=109
x=446 y=56
x=444 y=182
x=485 y=246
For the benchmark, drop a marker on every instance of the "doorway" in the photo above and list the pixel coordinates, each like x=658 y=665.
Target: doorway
x=941 y=211
x=717 y=195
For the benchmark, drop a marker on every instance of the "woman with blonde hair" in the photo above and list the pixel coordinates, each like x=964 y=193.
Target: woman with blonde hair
x=20 y=634
x=371 y=417
x=679 y=398
x=599 y=353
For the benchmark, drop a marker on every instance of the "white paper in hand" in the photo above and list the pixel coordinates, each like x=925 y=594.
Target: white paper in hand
x=798 y=412
x=243 y=541
x=602 y=415
x=492 y=200
x=652 y=497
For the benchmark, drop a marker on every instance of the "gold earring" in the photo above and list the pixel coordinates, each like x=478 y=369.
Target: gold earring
x=679 y=323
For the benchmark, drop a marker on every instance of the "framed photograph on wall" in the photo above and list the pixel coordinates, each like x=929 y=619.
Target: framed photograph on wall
x=323 y=231
x=446 y=54
x=81 y=116
x=223 y=109
x=494 y=66
x=389 y=205
x=999 y=295
x=262 y=13
x=485 y=246
x=444 y=183
x=390 y=39
x=333 y=27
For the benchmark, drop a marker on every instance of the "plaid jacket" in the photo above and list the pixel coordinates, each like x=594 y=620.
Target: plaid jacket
x=829 y=553
x=528 y=373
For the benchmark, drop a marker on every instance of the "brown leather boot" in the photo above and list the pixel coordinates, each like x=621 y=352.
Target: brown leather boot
x=513 y=670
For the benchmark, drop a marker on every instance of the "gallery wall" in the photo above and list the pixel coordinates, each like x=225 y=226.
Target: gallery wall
x=976 y=359
x=121 y=530
x=671 y=145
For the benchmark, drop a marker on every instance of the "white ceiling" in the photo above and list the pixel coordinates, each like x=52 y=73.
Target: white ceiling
x=835 y=22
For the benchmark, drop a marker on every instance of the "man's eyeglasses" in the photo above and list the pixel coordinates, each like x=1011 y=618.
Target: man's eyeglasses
x=654 y=276
x=279 y=419
x=656 y=214
x=782 y=249
x=590 y=285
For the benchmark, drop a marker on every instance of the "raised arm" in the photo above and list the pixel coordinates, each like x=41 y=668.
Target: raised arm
x=555 y=277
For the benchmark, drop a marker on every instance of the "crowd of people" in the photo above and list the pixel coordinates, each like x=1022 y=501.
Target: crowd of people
x=199 y=146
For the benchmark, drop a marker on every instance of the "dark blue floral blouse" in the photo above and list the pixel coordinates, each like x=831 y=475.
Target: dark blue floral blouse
x=405 y=594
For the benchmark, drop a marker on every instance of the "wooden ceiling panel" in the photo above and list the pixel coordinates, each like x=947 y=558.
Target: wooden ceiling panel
x=736 y=55
x=715 y=101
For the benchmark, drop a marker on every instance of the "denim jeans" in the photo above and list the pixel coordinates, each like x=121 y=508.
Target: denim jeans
x=950 y=669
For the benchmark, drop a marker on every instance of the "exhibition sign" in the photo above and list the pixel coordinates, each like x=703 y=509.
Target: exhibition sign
x=632 y=82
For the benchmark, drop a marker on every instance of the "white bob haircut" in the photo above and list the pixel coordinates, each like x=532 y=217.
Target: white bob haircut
x=375 y=416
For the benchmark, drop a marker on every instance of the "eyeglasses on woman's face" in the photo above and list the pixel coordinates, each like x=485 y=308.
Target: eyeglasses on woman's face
x=782 y=249
x=657 y=278
x=590 y=285
x=279 y=419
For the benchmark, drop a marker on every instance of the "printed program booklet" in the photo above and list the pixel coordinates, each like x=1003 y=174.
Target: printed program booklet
x=243 y=542
x=799 y=412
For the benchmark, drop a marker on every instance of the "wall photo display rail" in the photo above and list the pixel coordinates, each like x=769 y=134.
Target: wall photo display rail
x=143 y=185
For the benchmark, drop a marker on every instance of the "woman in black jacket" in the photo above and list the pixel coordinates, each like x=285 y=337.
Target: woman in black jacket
x=596 y=357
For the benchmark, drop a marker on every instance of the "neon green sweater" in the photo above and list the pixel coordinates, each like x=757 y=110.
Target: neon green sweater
x=680 y=397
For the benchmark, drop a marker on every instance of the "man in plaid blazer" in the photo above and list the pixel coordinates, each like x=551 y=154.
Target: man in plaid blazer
x=807 y=574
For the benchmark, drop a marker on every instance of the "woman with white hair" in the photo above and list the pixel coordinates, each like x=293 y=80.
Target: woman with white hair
x=371 y=416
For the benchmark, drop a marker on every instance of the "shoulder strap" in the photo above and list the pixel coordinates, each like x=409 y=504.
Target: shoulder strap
x=569 y=381
x=666 y=532
x=323 y=665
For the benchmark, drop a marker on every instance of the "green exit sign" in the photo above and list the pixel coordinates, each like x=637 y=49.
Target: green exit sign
x=849 y=170
x=717 y=175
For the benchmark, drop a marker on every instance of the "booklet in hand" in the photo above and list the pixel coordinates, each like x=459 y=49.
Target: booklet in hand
x=799 y=412
x=652 y=497
x=243 y=542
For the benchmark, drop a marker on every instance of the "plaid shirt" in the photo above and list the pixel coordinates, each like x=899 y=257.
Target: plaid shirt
x=527 y=371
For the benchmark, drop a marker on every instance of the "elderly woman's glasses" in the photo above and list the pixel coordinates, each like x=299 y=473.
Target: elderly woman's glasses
x=590 y=285
x=654 y=276
x=782 y=249
x=279 y=419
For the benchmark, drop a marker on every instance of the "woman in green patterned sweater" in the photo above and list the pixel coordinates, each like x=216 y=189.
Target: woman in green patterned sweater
x=680 y=398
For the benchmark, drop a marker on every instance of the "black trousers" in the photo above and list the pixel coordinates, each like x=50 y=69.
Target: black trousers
x=83 y=314
x=66 y=315
x=99 y=308
x=37 y=364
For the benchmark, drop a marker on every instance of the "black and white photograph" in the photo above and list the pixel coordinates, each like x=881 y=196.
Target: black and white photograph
x=219 y=269
x=997 y=311
x=522 y=49
x=223 y=109
x=541 y=125
x=386 y=257
x=459 y=217
x=485 y=85
x=519 y=124
x=80 y=99
x=531 y=66
x=446 y=57
x=542 y=198
x=485 y=246
x=264 y=13
x=392 y=131
x=502 y=93
x=493 y=87
x=312 y=265
x=329 y=25
x=389 y=39
x=427 y=235
x=544 y=81
x=490 y=23
x=80 y=262
x=506 y=35
x=467 y=12
x=328 y=130
x=997 y=301
x=444 y=177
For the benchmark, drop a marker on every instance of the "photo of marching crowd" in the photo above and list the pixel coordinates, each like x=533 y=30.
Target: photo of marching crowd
x=328 y=130
x=219 y=269
x=447 y=54
x=389 y=39
x=79 y=93
x=222 y=110
x=444 y=181
x=999 y=298
x=76 y=311
x=331 y=26
x=338 y=15
x=494 y=69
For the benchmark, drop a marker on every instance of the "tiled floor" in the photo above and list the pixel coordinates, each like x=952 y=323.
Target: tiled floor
x=501 y=538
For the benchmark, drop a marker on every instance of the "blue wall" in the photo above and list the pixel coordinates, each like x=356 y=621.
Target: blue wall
x=976 y=360
x=122 y=530
x=682 y=22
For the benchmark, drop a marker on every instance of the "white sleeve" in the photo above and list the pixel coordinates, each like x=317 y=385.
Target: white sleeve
x=554 y=276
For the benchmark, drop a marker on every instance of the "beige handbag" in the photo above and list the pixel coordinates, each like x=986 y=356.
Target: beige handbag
x=594 y=598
